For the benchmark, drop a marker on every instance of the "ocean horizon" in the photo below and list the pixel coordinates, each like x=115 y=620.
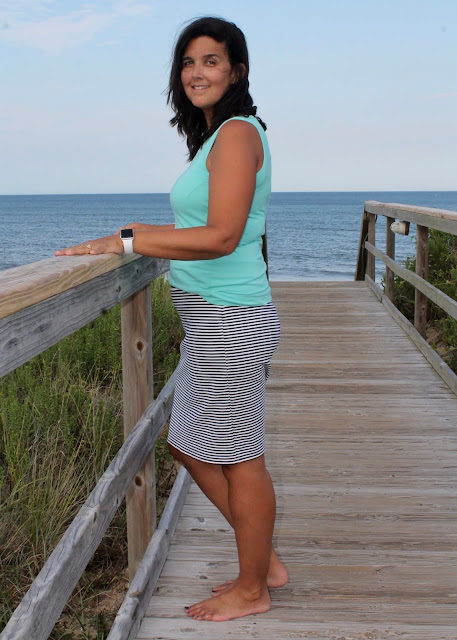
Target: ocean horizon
x=312 y=235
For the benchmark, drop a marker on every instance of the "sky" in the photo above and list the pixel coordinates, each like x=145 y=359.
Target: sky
x=358 y=95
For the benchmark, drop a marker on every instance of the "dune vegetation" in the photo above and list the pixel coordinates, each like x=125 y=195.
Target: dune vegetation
x=60 y=427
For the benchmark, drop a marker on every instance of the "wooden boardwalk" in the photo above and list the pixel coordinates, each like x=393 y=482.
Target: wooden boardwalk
x=362 y=448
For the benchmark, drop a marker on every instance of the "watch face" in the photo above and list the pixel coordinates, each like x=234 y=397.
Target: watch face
x=126 y=233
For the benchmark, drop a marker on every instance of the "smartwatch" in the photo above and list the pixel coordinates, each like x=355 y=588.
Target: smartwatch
x=127 y=239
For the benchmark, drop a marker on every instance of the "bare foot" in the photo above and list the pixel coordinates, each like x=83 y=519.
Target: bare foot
x=277 y=577
x=234 y=603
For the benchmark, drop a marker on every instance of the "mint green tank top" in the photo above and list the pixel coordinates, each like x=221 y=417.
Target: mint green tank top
x=238 y=279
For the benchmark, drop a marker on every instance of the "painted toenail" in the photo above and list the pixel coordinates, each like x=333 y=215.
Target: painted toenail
x=187 y=608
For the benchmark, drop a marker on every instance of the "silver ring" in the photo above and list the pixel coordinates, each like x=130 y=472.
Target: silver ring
x=89 y=246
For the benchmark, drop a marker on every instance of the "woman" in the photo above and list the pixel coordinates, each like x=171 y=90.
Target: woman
x=220 y=289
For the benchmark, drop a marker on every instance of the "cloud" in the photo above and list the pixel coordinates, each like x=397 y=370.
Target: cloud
x=438 y=96
x=35 y=23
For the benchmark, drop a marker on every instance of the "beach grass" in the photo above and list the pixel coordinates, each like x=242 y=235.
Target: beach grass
x=60 y=427
x=441 y=330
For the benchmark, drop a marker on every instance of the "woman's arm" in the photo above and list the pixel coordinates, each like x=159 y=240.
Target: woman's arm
x=142 y=226
x=232 y=163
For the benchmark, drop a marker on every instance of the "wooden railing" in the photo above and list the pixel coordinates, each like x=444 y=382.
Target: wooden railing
x=425 y=219
x=40 y=304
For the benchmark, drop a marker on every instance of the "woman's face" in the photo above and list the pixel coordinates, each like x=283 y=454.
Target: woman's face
x=206 y=74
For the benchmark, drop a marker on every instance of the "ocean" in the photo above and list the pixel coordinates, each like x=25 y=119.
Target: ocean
x=311 y=236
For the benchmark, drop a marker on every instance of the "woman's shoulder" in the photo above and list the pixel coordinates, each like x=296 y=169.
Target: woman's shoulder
x=239 y=135
x=240 y=124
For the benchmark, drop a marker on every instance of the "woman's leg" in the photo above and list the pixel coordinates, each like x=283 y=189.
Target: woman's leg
x=252 y=507
x=213 y=482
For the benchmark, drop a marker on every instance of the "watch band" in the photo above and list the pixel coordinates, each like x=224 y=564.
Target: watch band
x=127 y=240
x=128 y=245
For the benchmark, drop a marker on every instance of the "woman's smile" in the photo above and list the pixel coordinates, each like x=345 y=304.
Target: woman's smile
x=206 y=74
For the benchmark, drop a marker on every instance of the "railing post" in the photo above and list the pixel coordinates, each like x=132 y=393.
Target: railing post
x=420 y=306
x=362 y=252
x=372 y=239
x=390 y=251
x=137 y=395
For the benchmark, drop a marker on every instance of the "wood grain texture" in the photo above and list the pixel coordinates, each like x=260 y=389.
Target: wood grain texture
x=390 y=252
x=41 y=606
x=443 y=370
x=35 y=327
x=361 y=265
x=24 y=286
x=361 y=446
x=138 y=393
x=440 y=219
x=433 y=293
x=131 y=613
x=420 y=303
x=371 y=239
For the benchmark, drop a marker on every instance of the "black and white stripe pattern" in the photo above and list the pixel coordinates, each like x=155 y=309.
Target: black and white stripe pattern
x=218 y=411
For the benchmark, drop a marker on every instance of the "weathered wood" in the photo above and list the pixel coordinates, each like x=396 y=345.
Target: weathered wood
x=175 y=502
x=41 y=606
x=29 y=284
x=372 y=239
x=365 y=486
x=442 y=369
x=41 y=325
x=390 y=252
x=174 y=628
x=435 y=295
x=362 y=254
x=131 y=612
x=374 y=287
x=420 y=305
x=439 y=219
x=138 y=393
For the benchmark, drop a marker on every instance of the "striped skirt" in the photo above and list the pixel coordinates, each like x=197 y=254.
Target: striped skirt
x=218 y=411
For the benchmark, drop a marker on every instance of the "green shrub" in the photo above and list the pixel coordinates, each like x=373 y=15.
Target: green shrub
x=442 y=273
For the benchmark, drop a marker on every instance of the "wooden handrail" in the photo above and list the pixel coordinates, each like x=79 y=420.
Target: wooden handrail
x=425 y=219
x=24 y=286
x=439 y=219
x=435 y=295
x=40 y=304
x=28 y=329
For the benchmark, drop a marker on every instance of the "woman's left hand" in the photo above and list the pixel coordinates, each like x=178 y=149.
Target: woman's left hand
x=107 y=244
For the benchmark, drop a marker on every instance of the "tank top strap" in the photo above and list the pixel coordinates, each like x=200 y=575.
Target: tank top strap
x=208 y=144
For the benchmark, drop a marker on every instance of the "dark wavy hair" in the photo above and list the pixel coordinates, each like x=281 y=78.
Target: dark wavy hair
x=237 y=101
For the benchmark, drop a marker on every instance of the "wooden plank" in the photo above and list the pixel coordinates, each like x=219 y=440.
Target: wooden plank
x=138 y=393
x=390 y=252
x=41 y=606
x=371 y=265
x=439 y=219
x=29 y=284
x=442 y=369
x=174 y=628
x=41 y=325
x=362 y=254
x=420 y=304
x=361 y=445
x=435 y=295
x=131 y=612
